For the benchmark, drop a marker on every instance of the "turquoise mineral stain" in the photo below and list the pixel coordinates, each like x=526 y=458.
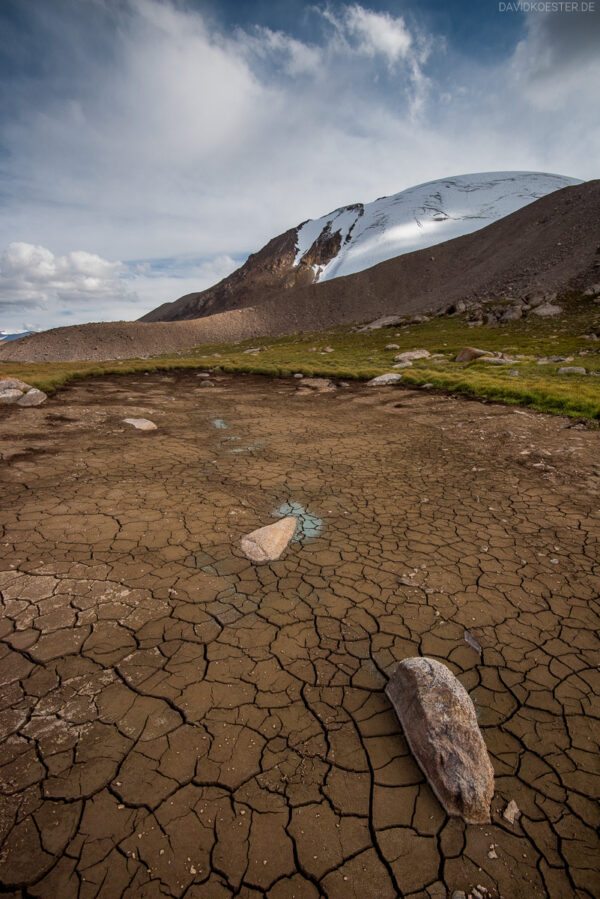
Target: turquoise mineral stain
x=308 y=525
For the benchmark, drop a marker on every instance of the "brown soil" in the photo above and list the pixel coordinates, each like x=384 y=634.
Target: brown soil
x=551 y=244
x=178 y=721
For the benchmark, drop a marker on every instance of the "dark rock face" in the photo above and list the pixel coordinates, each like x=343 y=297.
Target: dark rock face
x=441 y=729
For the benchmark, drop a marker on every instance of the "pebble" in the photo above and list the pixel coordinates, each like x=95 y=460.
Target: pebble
x=141 y=424
x=511 y=812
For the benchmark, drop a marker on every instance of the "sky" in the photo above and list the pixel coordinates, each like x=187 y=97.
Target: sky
x=148 y=146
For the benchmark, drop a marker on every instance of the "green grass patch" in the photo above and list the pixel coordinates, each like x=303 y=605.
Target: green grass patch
x=363 y=356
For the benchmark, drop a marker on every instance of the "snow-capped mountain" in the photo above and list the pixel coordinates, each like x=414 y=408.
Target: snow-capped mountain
x=357 y=237
x=6 y=335
x=422 y=216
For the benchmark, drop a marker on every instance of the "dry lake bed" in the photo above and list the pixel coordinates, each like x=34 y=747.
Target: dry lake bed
x=178 y=721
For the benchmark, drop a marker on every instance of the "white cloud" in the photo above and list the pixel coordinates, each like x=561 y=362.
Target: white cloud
x=378 y=33
x=33 y=277
x=186 y=141
x=81 y=286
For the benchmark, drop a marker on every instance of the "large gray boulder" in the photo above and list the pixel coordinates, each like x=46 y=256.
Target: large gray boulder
x=13 y=384
x=10 y=397
x=268 y=544
x=441 y=728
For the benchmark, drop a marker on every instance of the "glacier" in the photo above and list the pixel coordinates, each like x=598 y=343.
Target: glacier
x=421 y=217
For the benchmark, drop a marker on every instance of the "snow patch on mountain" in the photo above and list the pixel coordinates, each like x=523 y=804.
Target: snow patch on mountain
x=420 y=217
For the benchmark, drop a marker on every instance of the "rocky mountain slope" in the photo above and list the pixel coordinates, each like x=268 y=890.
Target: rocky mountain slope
x=549 y=246
x=354 y=238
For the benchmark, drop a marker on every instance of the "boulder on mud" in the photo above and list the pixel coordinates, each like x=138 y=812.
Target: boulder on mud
x=10 y=397
x=386 y=380
x=468 y=353
x=13 y=391
x=441 y=729
x=141 y=424
x=13 y=384
x=317 y=383
x=33 y=397
x=267 y=544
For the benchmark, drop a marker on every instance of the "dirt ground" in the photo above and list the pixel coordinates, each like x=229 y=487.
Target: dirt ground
x=177 y=721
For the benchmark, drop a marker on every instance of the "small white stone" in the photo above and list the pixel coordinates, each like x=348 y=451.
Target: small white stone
x=141 y=424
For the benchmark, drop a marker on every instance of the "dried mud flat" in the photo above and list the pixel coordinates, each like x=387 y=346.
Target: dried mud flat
x=180 y=722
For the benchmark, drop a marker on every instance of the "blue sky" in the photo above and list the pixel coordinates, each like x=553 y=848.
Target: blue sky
x=147 y=146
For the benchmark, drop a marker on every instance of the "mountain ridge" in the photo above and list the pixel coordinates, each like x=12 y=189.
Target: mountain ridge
x=353 y=238
x=551 y=245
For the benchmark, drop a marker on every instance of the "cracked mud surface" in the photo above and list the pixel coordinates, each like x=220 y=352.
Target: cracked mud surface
x=177 y=721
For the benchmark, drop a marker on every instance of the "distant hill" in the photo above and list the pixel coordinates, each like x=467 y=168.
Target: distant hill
x=357 y=237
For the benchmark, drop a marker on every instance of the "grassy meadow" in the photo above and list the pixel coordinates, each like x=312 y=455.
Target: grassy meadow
x=363 y=355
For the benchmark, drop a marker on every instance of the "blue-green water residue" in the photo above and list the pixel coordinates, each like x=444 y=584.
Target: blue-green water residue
x=248 y=449
x=308 y=525
x=220 y=424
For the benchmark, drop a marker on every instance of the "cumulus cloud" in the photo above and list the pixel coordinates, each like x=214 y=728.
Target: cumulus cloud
x=158 y=134
x=33 y=277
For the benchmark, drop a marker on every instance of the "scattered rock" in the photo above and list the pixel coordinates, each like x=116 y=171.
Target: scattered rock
x=470 y=639
x=10 y=397
x=546 y=310
x=478 y=892
x=392 y=346
x=298 y=375
x=514 y=373
x=13 y=384
x=402 y=365
x=592 y=291
x=385 y=380
x=441 y=729
x=411 y=355
x=16 y=392
x=512 y=315
x=267 y=544
x=459 y=894
x=317 y=383
x=572 y=370
x=492 y=851
x=207 y=383
x=328 y=349
x=142 y=424
x=468 y=353
x=203 y=374
x=33 y=397
x=512 y=812
x=386 y=321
